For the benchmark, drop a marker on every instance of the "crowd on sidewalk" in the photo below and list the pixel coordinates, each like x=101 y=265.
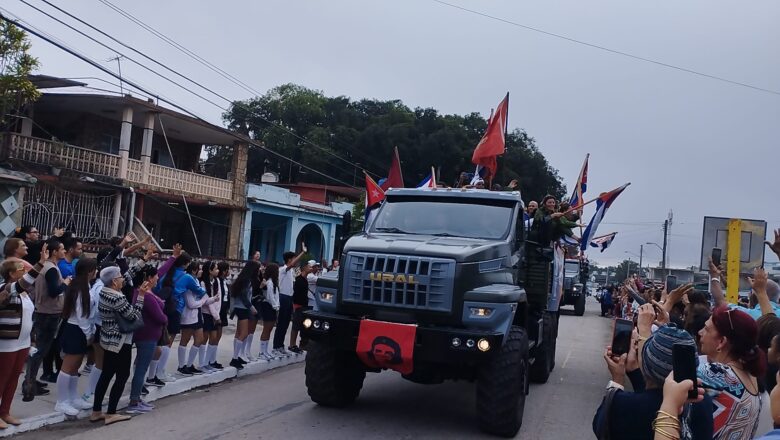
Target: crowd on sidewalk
x=73 y=316
x=735 y=356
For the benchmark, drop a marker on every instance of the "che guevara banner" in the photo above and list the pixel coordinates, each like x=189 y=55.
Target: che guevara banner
x=387 y=345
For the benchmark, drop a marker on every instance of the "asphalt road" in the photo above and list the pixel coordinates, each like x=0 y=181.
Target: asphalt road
x=275 y=405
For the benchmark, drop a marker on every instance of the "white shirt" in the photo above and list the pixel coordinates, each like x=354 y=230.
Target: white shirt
x=94 y=294
x=286 y=280
x=312 y=279
x=11 y=345
x=272 y=294
x=87 y=325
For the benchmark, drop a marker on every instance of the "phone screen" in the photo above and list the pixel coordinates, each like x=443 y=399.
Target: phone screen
x=684 y=365
x=716 y=256
x=621 y=336
x=671 y=283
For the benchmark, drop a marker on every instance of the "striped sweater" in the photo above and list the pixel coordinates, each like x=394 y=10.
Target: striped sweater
x=111 y=304
x=11 y=305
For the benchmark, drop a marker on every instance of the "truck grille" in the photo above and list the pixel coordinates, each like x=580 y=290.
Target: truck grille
x=401 y=281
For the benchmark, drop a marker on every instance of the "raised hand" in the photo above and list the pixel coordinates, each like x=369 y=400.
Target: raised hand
x=177 y=250
x=44 y=253
x=715 y=271
x=677 y=294
x=776 y=245
x=759 y=280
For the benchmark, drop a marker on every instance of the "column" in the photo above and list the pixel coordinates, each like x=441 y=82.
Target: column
x=235 y=233
x=238 y=171
x=124 y=142
x=117 y=213
x=146 y=146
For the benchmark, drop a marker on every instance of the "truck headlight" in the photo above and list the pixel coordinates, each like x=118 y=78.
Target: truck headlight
x=326 y=296
x=483 y=345
x=307 y=323
x=481 y=312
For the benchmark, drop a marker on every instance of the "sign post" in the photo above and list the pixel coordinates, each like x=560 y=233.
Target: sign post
x=734 y=246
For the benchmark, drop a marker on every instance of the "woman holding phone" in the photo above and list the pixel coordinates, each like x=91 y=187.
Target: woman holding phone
x=731 y=364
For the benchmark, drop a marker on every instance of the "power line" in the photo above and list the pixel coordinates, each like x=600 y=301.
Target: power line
x=607 y=49
x=229 y=101
x=175 y=72
x=169 y=102
x=226 y=75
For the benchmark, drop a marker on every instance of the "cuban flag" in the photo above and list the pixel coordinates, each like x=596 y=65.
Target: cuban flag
x=602 y=204
x=429 y=181
x=374 y=198
x=479 y=174
x=568 y=241
x=582 y=185
x=603 y=242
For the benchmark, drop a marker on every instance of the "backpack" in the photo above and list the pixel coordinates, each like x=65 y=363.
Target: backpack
x=166 y=294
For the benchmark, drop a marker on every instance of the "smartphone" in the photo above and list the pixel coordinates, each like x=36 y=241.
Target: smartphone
x=684 y=366
x=621 y=336
x=716 y=256
x=671 y=283
x=637 y=297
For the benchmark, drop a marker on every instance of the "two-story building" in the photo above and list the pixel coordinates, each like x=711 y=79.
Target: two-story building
x=109 y=164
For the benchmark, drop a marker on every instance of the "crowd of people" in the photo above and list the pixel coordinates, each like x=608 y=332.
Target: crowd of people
x=738 y=354
x=75 y=316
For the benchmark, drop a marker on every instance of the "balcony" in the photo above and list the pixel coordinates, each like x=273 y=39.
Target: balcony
x=157 y=178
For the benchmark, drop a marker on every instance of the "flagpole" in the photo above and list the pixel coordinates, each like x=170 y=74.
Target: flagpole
x=591 y=201
x=579 y=185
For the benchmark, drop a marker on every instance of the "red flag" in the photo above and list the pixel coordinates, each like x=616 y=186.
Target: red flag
x=394 y=178
x=492 y=143
x=387 y=345
x=374 y=194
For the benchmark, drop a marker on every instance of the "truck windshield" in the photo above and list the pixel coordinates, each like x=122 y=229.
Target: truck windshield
x=454 y=219
x=571 y=268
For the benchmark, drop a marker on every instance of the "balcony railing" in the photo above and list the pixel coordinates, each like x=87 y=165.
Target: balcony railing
x=61 y=155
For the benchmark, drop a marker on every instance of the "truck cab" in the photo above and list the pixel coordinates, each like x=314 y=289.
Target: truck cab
x=451 y=264
x=574 y=285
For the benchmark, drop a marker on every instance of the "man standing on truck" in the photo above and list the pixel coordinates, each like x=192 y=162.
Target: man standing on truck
x=286 y=282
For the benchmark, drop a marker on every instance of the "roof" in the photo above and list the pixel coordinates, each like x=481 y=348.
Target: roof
x=457 y=193
x=16 y=177
x=52 y=82
x=346 y=191
x=177 y=125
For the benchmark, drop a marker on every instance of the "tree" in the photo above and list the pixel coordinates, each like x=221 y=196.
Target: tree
x=364 y=133
x=16 y=89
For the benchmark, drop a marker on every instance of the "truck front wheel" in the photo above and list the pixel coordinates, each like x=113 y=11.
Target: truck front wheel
x=544 y=354
x=501 y=387
x=579 y=306
x=333 y=377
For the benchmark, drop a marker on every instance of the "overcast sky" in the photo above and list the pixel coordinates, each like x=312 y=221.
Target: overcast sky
x=690 y=144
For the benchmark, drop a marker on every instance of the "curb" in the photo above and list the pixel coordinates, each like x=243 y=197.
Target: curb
x=181 y=385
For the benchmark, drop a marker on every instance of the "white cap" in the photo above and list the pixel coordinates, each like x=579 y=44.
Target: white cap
x=312 y=263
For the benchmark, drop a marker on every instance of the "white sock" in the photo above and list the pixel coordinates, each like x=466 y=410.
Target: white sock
x=182 y=356
x=152 y=369
x=63 y=387
x=212 y=355
x=193 y=353
x=248 y=345
x=73 y=387
x=263 y=347
x=166 y=353
x=202 y=356
x=238 y=345
x=94 y=377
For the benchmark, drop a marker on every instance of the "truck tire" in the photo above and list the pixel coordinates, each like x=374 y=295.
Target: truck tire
x=333 y=377
x=579 y=306
x=554 y=339
x=544 y=354
x=502 y=385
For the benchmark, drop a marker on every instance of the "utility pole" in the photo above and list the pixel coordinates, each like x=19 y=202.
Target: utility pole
x=663 y=251
x=641 y=253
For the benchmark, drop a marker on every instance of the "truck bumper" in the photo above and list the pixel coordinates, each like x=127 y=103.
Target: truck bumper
x=432 y=344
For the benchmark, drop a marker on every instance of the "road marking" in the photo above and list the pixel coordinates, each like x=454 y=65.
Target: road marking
x=566 y=361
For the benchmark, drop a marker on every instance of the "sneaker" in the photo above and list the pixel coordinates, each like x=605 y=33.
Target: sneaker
x=87 y=369
x=185 y=371
x=235 y=363
x=137 y=408
x=168 y=378
x=66 y=408
x=158 y=382
x=276 y=354
x=146 y=404
x=207 y=369
x=265 y=357
x=217 y=366
x=80 y=404
x=153 y=383
x=40 y=384
x=144 y=391
x=286 y=352
x=194 y=370
x=242 y=360
x=294 y=349
x=89 y=398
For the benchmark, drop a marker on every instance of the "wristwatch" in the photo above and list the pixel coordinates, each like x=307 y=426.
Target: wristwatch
x=715 y=279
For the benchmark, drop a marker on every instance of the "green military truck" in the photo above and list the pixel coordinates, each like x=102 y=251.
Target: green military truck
x=575 y=284
x=457 y=269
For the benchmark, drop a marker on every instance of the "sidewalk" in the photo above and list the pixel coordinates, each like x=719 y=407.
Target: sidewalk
x=40 y=412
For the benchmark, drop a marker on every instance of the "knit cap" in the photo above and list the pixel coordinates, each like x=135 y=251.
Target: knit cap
x=657 y=351
x=108 y=274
